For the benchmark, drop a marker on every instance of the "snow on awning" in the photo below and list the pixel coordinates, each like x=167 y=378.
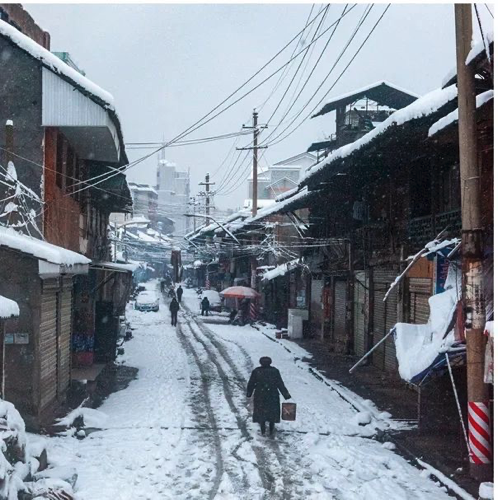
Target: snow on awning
x=425 y=106
x=383 y=92
x=115 y=266
x=452 y=117
x=66 y=260
x=280 y=270
x=8 y=308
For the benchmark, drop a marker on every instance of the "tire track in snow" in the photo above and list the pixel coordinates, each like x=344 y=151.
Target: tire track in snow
x=187 y=345
x=264 y=463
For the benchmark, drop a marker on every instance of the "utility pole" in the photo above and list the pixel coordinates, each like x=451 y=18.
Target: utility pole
x=472 y=253
x=254 y=211
x=207 y=184
x=193 y=203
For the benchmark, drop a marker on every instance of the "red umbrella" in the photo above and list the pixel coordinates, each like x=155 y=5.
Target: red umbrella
x=240 y=292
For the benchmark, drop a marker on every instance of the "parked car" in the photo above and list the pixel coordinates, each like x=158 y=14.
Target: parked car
x=147 y=301
x=214 y=299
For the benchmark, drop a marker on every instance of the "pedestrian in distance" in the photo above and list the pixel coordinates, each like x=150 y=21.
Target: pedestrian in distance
x=205 y=306
x=233 y=314
x=171 y=293
x=173 y=309
x=179 y=293
x=266 y=383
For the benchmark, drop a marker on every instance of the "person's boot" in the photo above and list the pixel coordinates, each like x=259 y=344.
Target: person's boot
x=263 y=428
x=272 y=429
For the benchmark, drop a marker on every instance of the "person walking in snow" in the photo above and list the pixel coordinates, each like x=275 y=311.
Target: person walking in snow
x=266 y=383
x=205 y=306
x=173 y=309
x=179 y=293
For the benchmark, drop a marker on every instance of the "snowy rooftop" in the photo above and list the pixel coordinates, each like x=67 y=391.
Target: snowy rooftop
x=8 y=308
x=52 y=62
x=452 y=117
x=383 y=92
x=141 y=187
x=424 y=106
x=39 y=249
x=478 y=50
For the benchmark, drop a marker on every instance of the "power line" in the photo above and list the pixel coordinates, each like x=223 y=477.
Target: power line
x=196 y=126
x=334 y=84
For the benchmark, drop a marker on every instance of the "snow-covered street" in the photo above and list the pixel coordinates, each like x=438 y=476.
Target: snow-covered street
x=183 y=428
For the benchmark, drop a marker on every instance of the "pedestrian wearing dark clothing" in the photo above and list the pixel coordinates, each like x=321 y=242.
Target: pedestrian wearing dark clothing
x=179 y=293
x=173 y=309
x=266 y=383
x=205 y=306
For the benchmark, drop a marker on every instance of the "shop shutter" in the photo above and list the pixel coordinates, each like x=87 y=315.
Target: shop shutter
x=390 y=362
x=48 y=342
x=66 y=302
x=385 y=317
x=339 y=332
x=316 y=311
x=360 y=313
x=420 y=289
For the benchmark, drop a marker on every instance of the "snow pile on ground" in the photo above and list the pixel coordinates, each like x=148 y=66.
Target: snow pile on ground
x=23 y=462
x=83 y=417
x=8 y=308
x=417 y=346
x=486 y=491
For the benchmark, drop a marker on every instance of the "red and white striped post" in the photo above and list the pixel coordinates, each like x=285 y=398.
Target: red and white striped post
x=253 y=310
x=479 y=433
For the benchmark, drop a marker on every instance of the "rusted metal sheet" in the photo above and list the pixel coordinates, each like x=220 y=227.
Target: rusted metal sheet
x=420 y=289
x=64 y=338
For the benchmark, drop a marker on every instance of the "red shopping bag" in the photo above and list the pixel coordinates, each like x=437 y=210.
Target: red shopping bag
x=289 y=411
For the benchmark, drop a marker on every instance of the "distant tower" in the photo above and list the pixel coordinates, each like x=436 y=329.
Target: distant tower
x=173 y=187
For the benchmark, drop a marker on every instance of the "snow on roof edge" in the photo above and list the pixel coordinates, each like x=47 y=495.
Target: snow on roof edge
x=53 y=63
x=452 y=117
x=40 y=249
x=424 y=106
x=364 y=89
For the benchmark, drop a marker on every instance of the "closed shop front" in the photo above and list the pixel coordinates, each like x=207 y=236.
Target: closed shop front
x=48 y=342
x=339 y=325
x=64 y=337
x=385 y=317
x=420 y=289
x=360 y=313
x=316 y=309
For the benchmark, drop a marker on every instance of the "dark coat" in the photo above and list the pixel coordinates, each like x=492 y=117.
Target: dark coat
x=174 y=306
x=205 y=303
x=266 y=383
x=179 y=293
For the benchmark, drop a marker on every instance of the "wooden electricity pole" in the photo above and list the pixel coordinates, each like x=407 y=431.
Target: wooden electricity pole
x=208 y=201
x=254 y=211
x=472 y=251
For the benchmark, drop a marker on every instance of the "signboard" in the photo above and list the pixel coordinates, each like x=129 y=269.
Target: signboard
x=9 y=338
x=441 y=266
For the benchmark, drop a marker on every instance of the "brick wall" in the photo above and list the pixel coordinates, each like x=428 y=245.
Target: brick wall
x=14 y=14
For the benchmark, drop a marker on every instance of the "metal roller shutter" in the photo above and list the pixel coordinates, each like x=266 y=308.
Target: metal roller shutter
x=339 y=332
x=385 y=317
x=360 y=312
x=316 y=311
x=48 y=342
x=420 y=290
x=390 y=361
x=64 y=344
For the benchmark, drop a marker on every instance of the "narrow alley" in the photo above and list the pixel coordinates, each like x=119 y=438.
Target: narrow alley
x=183 y=430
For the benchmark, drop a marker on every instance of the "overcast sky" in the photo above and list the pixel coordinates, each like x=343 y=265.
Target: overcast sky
x=168 y=65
